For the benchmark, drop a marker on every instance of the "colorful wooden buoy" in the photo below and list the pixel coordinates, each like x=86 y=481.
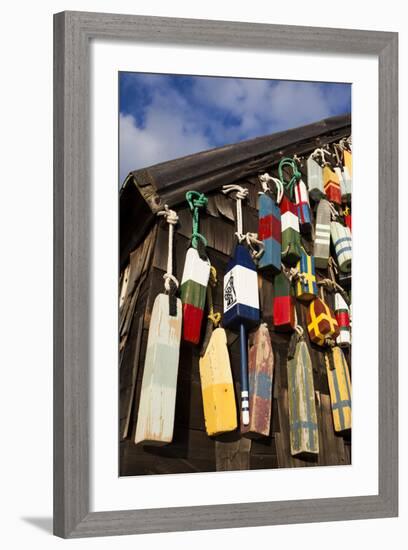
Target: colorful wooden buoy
x=321 y=322
x=260 y=368
x=322 y=238
x=347 y=217
x=341 y=238
x=155 y=419
x=304 y=436
x=283 y=304
x=345 y=183
x=303 y=207
x=341 y=311
x=306 y=286
x=340 y=388
x=291 y=243
x=269 y=232
x=241 y=310
x=193 y=292
x=344 y=279
x=241 y=299
x=217 y=386
x=315 y=179
x=331 y=185
x=348 y=162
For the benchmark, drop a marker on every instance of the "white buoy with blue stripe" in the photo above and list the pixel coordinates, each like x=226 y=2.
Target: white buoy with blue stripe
x=241 y=299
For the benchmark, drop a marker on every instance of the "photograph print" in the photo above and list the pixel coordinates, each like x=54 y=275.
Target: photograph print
x=235 y=255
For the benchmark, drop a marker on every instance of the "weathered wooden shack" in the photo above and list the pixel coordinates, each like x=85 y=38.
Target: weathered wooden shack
x=143 y=255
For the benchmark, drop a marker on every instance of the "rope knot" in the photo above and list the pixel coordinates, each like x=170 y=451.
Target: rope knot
x=264 y=180
x=296 y=175
x=196 y=200
x=170 y=216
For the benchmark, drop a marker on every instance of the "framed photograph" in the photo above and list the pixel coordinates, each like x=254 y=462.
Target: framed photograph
x=225 y=338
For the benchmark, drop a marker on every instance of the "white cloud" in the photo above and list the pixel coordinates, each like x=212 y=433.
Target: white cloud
x=175 y=125
x=171 y=130
x=263 y=106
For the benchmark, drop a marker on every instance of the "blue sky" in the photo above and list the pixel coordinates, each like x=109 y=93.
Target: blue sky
x=163 y=117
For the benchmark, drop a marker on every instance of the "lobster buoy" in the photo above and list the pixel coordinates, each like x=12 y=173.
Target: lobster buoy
x=340 y=388
x=303 y=207
x=304 y=438
x=341 y=238
x=322 y=237
x=260 y=367
x=193 y=292
x=283 y=304
x=315 y=179
x=331 y=185
x=341 y=311
x=291 y=244
x=306 y=286
x=269 y=227
x=321 y=322
x=347 y=217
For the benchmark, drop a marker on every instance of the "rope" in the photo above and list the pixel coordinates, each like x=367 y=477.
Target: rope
x=296 y=175
x=295 y=275
x=241 y=194
x=321 y=151
x=212 y=316
x=333 y=211
x=196 y=201
x=264 y=180
x=170 y=282
x=251 y=240
x=333 y=285
x=336 y=147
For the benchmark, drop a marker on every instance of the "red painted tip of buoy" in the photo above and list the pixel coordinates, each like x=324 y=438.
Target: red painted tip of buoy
x=192 y=317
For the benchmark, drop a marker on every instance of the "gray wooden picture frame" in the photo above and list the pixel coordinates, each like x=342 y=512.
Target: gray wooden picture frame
x=72 y=205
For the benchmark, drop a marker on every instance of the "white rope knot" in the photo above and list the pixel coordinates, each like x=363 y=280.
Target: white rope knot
x=299 y=330
x=264 y=180
x=171 y=218
x=253 y=243
x=241 y=192
x=295 y=275
x=321 y=151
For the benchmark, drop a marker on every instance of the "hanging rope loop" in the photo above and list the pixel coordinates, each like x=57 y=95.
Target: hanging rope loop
x=265 y=179
x=196 y=201
x=320 y=152
x=214 y=317
x=256 y=247
x=171 y=283
x=240 y=195
x=296 y=175
x=171 y=218
x=333 y=212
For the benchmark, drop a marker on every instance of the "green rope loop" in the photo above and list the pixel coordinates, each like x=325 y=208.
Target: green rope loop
x=196 y=201
x=289 y=185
